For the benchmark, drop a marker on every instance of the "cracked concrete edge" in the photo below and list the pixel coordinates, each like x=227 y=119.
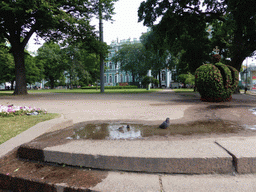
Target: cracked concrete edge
x=8 y=182
x=241 y=164
x=34 y=132
x=234 y=161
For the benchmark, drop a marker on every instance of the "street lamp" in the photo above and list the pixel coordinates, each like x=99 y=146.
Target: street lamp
x=101 y=56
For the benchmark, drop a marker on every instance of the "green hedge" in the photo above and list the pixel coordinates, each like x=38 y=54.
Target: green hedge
x=112 y=87
x=216 y=82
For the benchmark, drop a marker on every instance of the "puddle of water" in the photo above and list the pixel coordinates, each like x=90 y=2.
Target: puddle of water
x=107 y=131
x=114 y=131
x=251 y=127
x=253 y=111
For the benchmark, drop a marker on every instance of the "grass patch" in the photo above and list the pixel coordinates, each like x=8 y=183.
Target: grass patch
x=12 y=126
x=183 y=90
x=4 y=93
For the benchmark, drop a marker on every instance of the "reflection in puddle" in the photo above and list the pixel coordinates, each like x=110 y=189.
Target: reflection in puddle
x=107 y=131
x=253 y=111
x=251 y=127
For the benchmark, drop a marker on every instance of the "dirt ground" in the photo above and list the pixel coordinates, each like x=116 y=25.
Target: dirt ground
x=228 y=119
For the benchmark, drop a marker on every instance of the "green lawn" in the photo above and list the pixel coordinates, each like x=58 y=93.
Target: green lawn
x=12 y=126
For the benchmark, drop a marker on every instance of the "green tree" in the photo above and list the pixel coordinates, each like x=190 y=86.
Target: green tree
x=187 y=78
x=157 y=57
x=6 y=65
x=133 y=58
x=90 y=71
x=50 y=20
x=81 y=66
x=49 y=56
x=34 y=69
x=184 y=24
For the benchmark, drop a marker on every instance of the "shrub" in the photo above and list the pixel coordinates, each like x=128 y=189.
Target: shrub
x=216 y=82
x=147 y=80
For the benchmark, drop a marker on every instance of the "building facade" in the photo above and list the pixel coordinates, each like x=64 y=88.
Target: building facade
x=115 y=76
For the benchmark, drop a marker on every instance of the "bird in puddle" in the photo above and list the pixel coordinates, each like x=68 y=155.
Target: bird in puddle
x=165 y=124
x=121 y=129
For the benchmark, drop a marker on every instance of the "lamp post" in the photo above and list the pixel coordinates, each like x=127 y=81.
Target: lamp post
x=101 y=56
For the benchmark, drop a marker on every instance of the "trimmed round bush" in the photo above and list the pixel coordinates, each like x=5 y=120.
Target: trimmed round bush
x=216 y=82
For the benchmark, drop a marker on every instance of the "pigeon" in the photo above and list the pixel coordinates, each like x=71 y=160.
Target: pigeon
x=165 y=124
x=121 y=129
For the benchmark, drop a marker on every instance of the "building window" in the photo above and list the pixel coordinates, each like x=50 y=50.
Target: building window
x=116 y=79
x=105 y=79
x=110 y=79
x=110 y=65
x=127 y=78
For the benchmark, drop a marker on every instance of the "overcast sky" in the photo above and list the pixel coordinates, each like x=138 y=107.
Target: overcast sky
x=124 y=26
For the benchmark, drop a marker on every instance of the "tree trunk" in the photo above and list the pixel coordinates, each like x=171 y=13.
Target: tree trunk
x=51 y=82
x=20 y=72
x=160 y=79
x=12 y=82
x=133 y=77
x=237 y=62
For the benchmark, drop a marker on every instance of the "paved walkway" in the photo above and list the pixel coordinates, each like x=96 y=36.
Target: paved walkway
x=205 y=155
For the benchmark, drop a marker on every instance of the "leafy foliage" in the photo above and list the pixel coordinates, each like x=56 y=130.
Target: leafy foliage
x=49 y=55
x=187 y=78
x=147 y=80
x=132 y=58
x=7 y=72
x=50 y=20
x=216 y=82
x=34 y=69
x=183 y=28
x=81 y=66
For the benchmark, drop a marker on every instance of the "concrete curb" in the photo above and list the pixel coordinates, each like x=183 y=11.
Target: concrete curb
x=34 y=132
x=150 y=157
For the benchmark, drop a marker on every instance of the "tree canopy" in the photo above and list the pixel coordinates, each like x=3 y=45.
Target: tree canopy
x=132 y=58
x=49 y=56
x=50 y=20
x=184 y=22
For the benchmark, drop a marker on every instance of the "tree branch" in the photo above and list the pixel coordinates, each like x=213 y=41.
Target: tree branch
x=28 y=36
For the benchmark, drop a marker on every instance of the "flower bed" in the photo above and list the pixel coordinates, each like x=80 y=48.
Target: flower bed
x=11 y=110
